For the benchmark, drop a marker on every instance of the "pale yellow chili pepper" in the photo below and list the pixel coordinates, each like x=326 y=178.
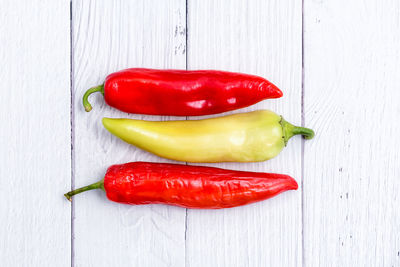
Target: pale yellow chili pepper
x=244 y=137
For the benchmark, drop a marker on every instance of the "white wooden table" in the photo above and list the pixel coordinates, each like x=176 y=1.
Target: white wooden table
x=338 y=63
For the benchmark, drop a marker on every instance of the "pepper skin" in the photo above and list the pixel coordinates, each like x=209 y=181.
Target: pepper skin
x=244 y=137
x=182 y=92
x=187 y=186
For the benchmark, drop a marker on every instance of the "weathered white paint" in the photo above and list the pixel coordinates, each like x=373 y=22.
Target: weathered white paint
x=352 y=168
x=109 y=36
x=263 y=38
x=35 y=165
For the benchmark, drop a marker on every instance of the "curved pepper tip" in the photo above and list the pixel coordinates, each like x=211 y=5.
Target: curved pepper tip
x=68 y=197
x=90 y=91
x=293 y=184
x=105 y=121
x=278 y=93
x=309 y=134
x=110 y=124
x=275 y=92
x=88 y=107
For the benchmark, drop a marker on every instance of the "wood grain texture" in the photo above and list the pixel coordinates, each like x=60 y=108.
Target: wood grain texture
x=263 y=38
x=109 y=36
x=351 y=169
x=35 y=166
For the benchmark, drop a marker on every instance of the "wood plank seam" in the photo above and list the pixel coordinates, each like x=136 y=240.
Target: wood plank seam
x=72 y=117
x=186 y=118
x=302 y=140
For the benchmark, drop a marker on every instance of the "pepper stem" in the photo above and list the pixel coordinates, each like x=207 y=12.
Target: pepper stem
x=290 y=130
x=90 y=91
x=98 y=185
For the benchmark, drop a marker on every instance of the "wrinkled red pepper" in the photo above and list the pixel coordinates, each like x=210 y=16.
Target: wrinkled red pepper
x=181 y=92
x=187 y=186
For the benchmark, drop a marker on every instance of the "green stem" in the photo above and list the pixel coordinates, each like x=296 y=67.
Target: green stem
x=92 y=90
x=98 y=185
x=290 y=130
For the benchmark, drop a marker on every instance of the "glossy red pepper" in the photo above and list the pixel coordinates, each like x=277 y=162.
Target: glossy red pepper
x=181 y=92
x=187 y=186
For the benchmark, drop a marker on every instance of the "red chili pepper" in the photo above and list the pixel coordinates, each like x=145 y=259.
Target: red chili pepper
x=181 y=92
x=187 y=186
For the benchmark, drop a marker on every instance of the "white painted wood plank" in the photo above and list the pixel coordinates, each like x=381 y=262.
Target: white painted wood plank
x=109 y=36
x=35 y=165
x=351 y=171
x=263 y=38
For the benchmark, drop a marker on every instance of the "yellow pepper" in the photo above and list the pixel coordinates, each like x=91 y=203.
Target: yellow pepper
x=244 y=137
